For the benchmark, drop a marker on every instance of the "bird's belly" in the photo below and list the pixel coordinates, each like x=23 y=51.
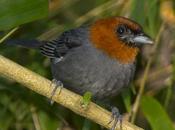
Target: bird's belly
x=96 y=73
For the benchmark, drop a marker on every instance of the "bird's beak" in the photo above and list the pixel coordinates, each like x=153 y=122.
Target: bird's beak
x=142 y=39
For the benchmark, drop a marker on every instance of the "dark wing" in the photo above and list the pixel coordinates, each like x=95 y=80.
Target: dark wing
x=57 y=48
x=54 y=49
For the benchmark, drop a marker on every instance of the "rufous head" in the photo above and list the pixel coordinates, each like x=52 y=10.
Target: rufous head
x=119 y=38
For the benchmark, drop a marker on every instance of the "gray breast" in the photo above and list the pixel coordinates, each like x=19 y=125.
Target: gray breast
x=88 y=69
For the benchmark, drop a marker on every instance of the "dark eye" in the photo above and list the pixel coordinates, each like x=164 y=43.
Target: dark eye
x=121 y=29
x=139 y=31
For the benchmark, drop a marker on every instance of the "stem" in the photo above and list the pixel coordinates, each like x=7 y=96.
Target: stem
x=8 y=35
x=66 y=98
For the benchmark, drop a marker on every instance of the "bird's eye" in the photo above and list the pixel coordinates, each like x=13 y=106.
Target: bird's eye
x=139 y=31
x=121 y=29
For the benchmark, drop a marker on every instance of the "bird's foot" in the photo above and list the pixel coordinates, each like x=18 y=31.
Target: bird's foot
x=55 y=84
x=115 y=118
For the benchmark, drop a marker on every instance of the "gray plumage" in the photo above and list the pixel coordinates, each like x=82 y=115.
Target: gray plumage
x=80 y=66
x=84 y=68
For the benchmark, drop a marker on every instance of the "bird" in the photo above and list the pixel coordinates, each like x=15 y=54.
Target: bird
x=99 y=58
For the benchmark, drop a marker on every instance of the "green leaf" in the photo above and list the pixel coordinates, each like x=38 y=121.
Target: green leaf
x=137 y=11
x=146 y=13
x=86 y=99
x=153 y=17
x=155 y=114
x=16 y=12
x=126 y=95
x=47 y=122
x=86 y=125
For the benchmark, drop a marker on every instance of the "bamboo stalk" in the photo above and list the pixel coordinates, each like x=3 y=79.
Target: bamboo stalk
x=68 y=99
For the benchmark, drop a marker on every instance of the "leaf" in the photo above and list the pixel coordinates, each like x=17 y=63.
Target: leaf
x=137 y=11
x=155 y=114
x=86 y=99
x=16 y=12
x=86 y=125
x=146 y=13
x=126 y=96
x=47 y=122
x=153 y=16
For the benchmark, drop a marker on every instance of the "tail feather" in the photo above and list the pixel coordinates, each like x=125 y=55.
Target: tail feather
x=25 y=43
x=46 y=48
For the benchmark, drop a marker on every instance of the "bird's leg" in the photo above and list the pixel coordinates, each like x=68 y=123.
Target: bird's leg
x=115 y=118
x=55 y=84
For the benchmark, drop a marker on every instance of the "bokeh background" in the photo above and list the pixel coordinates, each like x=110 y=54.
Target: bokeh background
x=22 y=109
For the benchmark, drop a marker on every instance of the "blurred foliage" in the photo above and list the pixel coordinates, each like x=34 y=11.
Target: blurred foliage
x=22 y=109
x=14 y=13
x=156 y=115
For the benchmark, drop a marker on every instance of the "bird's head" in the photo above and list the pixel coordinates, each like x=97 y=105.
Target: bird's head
x=119 y=38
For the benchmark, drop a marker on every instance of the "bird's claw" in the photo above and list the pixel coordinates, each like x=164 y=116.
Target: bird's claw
x=115 y=118
x=55 y=84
